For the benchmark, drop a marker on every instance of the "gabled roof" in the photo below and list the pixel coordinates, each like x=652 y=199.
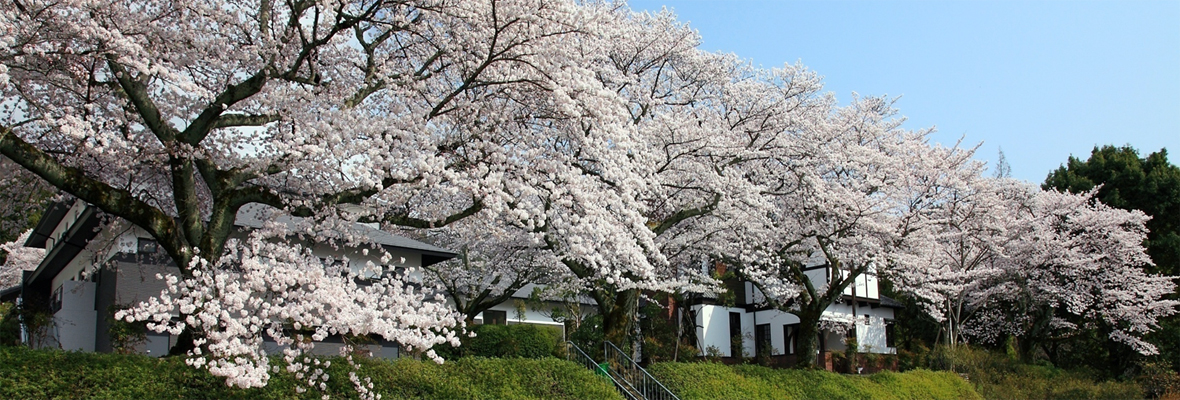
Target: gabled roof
x=251 y=216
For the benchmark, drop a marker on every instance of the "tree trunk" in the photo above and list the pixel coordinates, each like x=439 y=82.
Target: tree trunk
x=805 y=356
x=618 y=316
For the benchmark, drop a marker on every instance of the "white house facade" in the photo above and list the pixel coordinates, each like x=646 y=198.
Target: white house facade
x=863 y=312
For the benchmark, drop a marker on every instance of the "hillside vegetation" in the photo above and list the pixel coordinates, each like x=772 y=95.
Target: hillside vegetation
x=719 y=381
x=997 y=376
x=26 y=374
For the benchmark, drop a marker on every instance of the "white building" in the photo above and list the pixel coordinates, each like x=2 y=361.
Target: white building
x=754 y=322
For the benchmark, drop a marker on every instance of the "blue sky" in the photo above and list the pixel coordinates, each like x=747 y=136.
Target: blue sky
x=1040 y=79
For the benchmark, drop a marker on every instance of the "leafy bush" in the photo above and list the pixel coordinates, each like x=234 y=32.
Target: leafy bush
x=507 y=341
x=9 y=325
x=10 y=320
x=1159 y=380
x=713 y=381
x=28 y=373
x=998 y=376
x=589 y=336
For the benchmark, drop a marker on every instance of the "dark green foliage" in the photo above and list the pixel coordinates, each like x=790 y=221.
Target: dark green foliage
x=662 y=341
x=507 y=341
x=913 y=327
x=54 y=374
x=589 y=336
x=999 y=376
x=11 y=316
x=1159 y=380
x=1152 y=185
x=9 y=325
x=718 y=381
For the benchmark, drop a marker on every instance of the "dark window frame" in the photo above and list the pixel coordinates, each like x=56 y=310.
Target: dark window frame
x=790 y=338
x=762 y=340
x=147 y=246
x=495 y=317
x=735 y=330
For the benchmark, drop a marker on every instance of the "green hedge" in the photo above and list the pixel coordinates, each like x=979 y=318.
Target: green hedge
x=507 y=341
x=55 y=374
x=718 y=381
x=526 y=340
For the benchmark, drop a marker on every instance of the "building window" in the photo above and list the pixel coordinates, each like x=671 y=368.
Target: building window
x=890 y=336
x=147 y=246
x=494 y=317
x=762 y=347
x=55 y=303
x=790 y=338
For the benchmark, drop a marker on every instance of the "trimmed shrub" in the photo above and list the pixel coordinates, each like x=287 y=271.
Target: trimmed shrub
x=507 y=341
x=28 y=373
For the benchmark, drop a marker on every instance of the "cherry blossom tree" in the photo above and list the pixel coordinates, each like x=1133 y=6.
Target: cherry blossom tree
x=174 y=115
x=702 y=117
x=961 y=253
x=494 y=263
x=848 y=195
x=19 y=259
x=1072 y=262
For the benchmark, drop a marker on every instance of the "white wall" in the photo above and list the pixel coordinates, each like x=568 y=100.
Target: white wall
x=531 y=316
x=713 y=329
x=776 y=319
x=871 y=330
x=74 y=323
x=869 y=334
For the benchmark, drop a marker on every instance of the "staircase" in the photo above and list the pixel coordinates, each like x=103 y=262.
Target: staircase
x=632 y=381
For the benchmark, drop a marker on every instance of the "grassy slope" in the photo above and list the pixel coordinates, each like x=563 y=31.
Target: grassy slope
x=717 y=381
x=55 y=374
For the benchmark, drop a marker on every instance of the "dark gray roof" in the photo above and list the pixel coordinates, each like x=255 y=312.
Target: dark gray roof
x=252 y=216
x=10 y=294
x=891 y=303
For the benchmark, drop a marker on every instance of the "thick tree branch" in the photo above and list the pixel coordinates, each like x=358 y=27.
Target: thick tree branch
x=137 y=93
x=233 y=120
x=682 y=215
x=117 y=202
x=209 y=118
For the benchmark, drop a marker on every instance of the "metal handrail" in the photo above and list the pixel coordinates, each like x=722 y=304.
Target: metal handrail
x=589 y=363
x=630 y=371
